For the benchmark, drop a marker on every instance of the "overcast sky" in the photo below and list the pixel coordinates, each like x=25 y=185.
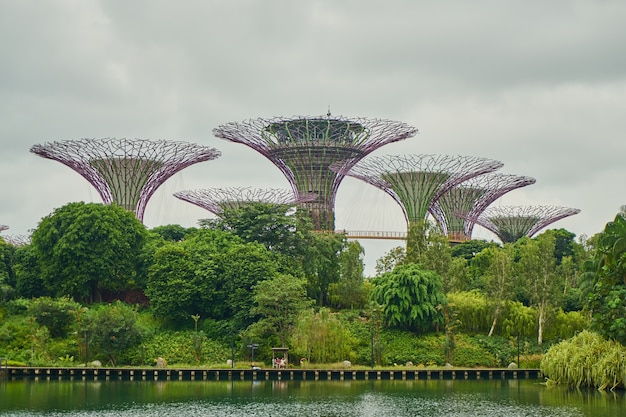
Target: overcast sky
x=538 y=85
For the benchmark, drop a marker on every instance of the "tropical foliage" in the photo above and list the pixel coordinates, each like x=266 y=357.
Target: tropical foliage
x=410 y=297
x=586 y=360
x=260 y=276
x=83 y=249
x=604 y=282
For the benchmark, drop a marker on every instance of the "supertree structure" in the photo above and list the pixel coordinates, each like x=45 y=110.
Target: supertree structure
x=415 y=182
x=304 y=148
x=3 y=227
x=216 y=200
x=126 y=171
x=468 y=199
x=511 y=223
x=17 y=240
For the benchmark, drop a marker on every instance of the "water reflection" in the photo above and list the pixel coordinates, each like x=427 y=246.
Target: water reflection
x=308 y=398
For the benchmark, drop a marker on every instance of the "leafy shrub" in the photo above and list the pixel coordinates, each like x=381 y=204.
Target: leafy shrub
x=178 y=349
x=566 y=325
x=470 y=355
x=58 y=315
x=532 y=360
x=500 y=348
x=587 y=360
x=112 y=329
x=17 y=341
x=472 y=310
x=402 y=347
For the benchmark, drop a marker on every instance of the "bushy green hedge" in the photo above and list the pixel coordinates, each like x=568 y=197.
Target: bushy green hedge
x=179 y=348
x=429 y=350
x=475 y=315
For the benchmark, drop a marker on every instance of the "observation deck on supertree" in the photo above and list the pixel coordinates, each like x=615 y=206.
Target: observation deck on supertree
x=511 y=223
x=304 y=148
x=469 y=199
x=216 y=200
x=415 y=182
x=126 y=171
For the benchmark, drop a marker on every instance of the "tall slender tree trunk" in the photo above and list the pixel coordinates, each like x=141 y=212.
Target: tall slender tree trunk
x=496 y=314
x=542 y=319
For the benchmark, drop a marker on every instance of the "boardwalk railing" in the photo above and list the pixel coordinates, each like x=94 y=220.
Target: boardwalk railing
x=365 y=234
x=4 y=371
x=165 y=374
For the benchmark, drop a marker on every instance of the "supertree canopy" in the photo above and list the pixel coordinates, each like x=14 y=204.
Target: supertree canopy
x=304 y=148
x=216 y=200
x=415 y=182
x=17 y=240
x=511 y=223
x=469 y=199
x=126 y=171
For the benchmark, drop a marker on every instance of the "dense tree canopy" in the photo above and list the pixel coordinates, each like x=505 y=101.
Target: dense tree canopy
x=604 y=281
x=210 y=273
x=537 y=269
x=278 y=301
x=85 y=248
x=6 y=271
x=350 y=291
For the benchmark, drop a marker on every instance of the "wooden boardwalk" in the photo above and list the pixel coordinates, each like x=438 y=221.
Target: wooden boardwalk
x=187 y=374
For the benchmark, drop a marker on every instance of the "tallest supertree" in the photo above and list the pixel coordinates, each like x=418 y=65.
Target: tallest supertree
x=304 y=148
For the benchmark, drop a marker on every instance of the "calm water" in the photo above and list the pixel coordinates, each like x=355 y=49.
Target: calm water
x=303 y=398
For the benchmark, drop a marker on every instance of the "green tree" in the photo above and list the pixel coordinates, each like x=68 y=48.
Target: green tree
x=390 y=260
x=322 y=266
x=564 y=243
x=417 y=240
x=7 y=281
x=470 y=248
x=85 y=248
x=172 y=288
x=211 y=273
x=28 y=281
x=112 y=329
x=278 y=227
x=410 y=297
x=537 y=268
x=173 y=232
x=236 y=273
x=58 y=315
x=499 y=279
x=321 y=337
x=350 y=291
x=287 y=233
x=437 y=256
x=278 y=301
x=603 y=282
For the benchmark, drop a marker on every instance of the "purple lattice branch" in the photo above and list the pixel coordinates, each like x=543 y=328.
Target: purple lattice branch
x=17 y=240
x=415 y=182
x=304 y=149
x=510 y=223
x=126 y=171
x=216 y=200
x=470 y=198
